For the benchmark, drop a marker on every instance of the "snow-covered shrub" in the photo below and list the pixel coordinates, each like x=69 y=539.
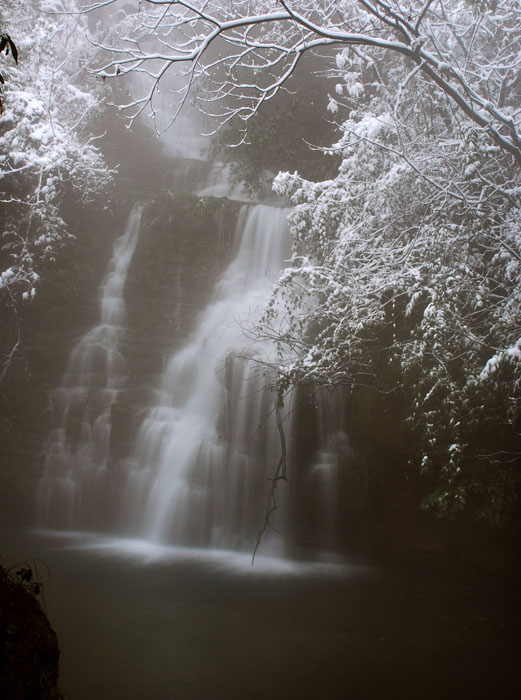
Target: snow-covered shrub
x=46 y=150
x=406 y=277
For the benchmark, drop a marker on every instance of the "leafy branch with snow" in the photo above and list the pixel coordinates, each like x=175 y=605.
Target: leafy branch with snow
x=46 y=152
x=406 y=278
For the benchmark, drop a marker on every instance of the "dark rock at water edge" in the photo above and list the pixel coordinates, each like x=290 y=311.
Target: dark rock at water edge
x=29 y=651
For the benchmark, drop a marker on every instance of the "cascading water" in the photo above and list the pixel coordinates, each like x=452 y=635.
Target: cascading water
x=76 y=480
x=205 y=452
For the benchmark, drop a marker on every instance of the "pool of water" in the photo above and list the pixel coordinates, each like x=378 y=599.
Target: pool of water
x=141 y=622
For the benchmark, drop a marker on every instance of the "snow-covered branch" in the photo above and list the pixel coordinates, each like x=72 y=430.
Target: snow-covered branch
x=45 y=152
x=406 y=278
x=242 y=53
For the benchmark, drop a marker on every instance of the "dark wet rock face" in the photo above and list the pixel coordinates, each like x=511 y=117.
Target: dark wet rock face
x=29 y=651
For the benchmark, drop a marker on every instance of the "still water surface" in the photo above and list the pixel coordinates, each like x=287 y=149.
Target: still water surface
x=141 y=623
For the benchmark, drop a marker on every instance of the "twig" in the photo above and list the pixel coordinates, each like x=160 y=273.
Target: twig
x=280 y=475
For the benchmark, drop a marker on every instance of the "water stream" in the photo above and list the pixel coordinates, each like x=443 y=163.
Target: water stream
x=202 y=461
x=205 y=452
x=73 y=491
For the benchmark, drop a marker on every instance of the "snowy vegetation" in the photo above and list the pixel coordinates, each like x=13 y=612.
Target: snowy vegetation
x=46 y=151
x=399 y=285
x=45 y=148
x=406 y=269
x=238 y=55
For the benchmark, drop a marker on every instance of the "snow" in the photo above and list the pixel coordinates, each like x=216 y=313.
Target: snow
x=332 y=105
x=39 y=135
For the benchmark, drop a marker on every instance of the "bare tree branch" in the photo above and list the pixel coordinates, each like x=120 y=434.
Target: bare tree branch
x=243 y=53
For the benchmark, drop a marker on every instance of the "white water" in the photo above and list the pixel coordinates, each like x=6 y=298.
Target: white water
x=204 y=455
x=205 y=452
x=76 y=477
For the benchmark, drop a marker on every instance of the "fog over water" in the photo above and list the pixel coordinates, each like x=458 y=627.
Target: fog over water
x=146 y=559
x=138 y=620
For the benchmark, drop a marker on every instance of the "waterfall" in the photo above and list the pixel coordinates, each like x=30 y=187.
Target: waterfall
x=205 y=452
x=76 y=486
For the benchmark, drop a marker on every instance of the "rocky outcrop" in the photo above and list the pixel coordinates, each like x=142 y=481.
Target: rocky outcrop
x=29 y=651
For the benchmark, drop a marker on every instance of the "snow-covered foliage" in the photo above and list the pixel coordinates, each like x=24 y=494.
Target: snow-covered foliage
x=240 y=54
x=406 y=272
x=45 y=149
